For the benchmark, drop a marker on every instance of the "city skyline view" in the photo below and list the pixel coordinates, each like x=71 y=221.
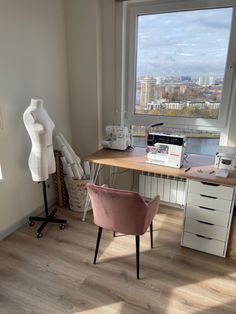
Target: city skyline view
x=181 y=59
x=189 y=43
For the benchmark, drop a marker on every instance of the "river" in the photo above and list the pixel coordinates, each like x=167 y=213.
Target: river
x=204 y=146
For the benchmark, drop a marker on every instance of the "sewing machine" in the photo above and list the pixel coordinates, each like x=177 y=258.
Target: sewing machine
x=166 y=150
x=118 y=137
x=225 y=158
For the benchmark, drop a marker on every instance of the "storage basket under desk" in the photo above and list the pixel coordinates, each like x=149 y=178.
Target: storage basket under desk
x=77 y=193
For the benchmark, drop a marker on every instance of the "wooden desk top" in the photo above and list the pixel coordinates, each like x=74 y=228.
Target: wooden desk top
x=136 y=160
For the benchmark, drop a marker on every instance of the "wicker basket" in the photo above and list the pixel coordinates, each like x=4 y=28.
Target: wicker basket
x=77 y=193
x=58 y=176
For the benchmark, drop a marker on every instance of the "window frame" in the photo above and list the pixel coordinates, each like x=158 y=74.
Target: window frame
x=131 y=12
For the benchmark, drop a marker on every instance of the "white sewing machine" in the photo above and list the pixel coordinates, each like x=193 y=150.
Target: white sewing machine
x=165 y=150
x=225 y=158
x=118 y=137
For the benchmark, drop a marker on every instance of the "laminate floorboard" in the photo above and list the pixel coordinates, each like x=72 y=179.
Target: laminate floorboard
x=55 y=274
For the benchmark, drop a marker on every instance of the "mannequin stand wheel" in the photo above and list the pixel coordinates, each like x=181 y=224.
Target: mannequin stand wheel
x=49 y=217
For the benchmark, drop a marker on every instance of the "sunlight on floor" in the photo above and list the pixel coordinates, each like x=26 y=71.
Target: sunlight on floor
x=116 y=308
x=216 y=293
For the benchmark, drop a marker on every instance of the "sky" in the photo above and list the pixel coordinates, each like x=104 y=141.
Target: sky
x=193 y=43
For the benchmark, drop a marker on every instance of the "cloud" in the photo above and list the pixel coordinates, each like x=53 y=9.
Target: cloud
x=186 y=43
x=186 y=54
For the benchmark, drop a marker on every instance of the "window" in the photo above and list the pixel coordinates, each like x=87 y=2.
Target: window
x=180 y=61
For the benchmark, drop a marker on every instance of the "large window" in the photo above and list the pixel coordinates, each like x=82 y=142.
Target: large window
x=180 y=61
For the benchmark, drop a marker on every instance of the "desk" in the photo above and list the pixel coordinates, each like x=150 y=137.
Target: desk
x=136 y=160
x=209 y=199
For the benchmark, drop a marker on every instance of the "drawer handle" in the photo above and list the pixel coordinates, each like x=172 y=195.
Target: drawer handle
x=201 y=236
x=207 y=223
x=208 y=196
x=203 y=207
x=212 y=184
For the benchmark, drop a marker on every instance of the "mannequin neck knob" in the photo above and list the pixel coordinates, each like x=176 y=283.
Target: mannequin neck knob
x=36 y=103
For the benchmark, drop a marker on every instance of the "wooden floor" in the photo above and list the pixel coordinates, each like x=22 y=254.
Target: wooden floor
x=55 y=274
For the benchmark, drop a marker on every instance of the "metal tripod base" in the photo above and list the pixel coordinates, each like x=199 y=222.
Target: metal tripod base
x=49 y=217
x=47 y=220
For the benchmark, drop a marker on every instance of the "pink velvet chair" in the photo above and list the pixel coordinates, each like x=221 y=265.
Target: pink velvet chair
x=122 y=211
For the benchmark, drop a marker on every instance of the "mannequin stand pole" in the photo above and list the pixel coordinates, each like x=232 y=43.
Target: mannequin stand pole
x=49 y=217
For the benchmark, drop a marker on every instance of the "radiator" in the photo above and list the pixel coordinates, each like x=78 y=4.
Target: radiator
x=171 y=189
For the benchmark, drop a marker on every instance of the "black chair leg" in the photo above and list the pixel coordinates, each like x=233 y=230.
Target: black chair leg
x=151 y=234
x=97 y=245
x=137 y=255
x=114 y=234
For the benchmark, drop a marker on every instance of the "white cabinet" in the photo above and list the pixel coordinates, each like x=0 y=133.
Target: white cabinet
x=207 y=218
x=205 y=201
x=214 y=190
x=207 y=245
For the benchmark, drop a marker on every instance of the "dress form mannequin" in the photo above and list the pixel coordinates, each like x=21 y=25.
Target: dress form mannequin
x=40 y=128
x=41 y=159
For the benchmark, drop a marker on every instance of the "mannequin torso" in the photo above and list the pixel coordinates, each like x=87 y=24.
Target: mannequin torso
x=40 y=128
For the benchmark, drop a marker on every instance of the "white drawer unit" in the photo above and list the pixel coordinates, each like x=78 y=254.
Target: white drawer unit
x=206 y=229
x=207 y=245
x=208 y=215
x=207 y=219
x=211 y=189
x=209 y=202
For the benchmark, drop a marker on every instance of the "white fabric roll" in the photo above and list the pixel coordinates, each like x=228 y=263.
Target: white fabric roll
x=80 y=169
x=63 y=160
x=67 y=155
x=87 y=169
x=70 y=149
x=59 y=141
x=64 y=164
x=70 y=157
x=69 y=171
x=76 y=171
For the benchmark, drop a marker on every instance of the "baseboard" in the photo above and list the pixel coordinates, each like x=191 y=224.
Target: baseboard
x=9 y=230
x=172 y=204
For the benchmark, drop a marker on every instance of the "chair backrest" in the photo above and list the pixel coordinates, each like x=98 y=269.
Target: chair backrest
x=118 y=210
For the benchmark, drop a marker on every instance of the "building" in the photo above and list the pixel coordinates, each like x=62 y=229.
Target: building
x=172 y=105
x=158 y=80
x=153 y=106
x=213 y=105
x=206 y=80
x=147 y=94
x=199 y=104
x=182 y=89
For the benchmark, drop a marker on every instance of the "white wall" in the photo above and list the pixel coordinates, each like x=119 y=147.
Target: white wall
x=33 y=63
x=84 y=59
x=111 y=104
x=228 y=136
x=94 y=60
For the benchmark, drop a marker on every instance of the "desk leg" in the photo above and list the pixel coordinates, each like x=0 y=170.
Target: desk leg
x=113 y=175
x=95 y=169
